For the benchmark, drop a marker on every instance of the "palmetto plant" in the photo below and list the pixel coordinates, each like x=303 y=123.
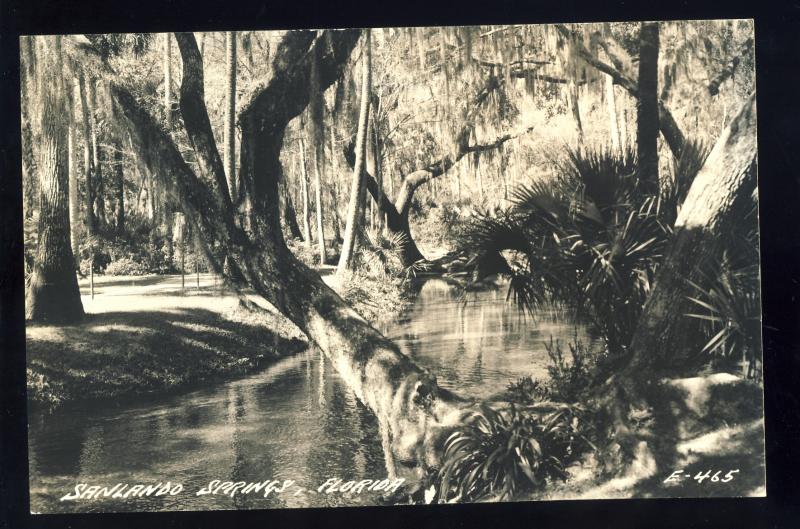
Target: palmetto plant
x=500 y=453
x=726 y=298
x=380 y=255
x=589 y=238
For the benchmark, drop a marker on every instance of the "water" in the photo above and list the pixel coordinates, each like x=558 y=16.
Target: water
x=296 y=420
x=476 y=344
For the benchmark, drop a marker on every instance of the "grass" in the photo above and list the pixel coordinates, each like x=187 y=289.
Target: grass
x=147 y=334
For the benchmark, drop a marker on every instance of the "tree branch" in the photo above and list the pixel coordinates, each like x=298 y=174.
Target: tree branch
x=195 y=115
x=435 y=169
x=667 y=124
x=730 y=68
x=264 y=117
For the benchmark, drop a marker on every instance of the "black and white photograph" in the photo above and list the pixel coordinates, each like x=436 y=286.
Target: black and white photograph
x=384 y=266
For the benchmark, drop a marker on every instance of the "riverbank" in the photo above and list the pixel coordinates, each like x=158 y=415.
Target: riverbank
x=148 y=334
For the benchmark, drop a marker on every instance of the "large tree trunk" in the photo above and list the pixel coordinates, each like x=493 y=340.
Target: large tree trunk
x=53 y=294
x=413 y=412
x=647 y=108
x=356 y=204
x=719 y=195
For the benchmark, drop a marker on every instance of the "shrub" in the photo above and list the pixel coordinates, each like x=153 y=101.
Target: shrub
x=527 y=390
x=375 y=298
x=501 y=453
x=126 y=266
x=727 y=302
x=569 y=379
x=589 y=238
x=379 y=256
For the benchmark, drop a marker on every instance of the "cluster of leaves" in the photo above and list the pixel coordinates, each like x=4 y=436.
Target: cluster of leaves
x=439 y=225
x=528 y=390
x=379 y=255
x=501 y=453
x=589 y=238
x=569 y=376
x=727 y=300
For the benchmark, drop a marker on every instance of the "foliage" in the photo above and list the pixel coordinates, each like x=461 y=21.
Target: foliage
x=500 y=453
x=440 y=225
x=375 y=298
x=589 y=238
x=728 y=302
x=527 y=390
x=570 y=377
x=126 y=266
x=379 y=255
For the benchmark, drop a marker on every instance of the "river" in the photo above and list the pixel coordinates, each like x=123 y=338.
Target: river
x=296 y=420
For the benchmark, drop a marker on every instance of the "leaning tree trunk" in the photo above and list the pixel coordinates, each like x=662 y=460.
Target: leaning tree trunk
x=647 y=108
x=719 y=195
x=356 y=205
x=412 y=411
x=53 y=294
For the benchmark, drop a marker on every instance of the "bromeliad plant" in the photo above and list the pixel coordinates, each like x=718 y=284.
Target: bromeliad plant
x=589 y=238
x=502 y=453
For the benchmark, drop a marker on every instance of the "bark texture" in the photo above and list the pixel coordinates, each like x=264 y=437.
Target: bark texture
x=413 y=412
x=720 y=192
x=53 y=294
x=621 y=71
x=88 y=160
x=74 y=204
x=647 y=108
x=356 y=203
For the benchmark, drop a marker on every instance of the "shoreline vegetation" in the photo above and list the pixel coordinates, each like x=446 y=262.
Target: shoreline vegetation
x=145 y=335
x=609 y=169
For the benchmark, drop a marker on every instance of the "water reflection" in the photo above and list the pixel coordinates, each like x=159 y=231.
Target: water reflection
x=296 y=420
x=477 y=344
x=279 y=424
